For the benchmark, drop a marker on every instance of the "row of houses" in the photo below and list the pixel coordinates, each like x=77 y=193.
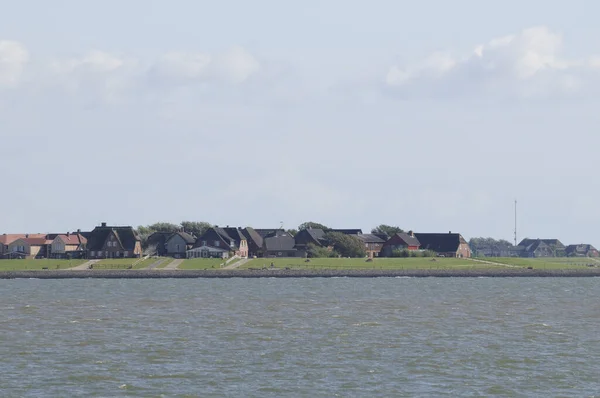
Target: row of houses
x=217 y=242
x=103 y=242
x=250 y=242
x=536 y=248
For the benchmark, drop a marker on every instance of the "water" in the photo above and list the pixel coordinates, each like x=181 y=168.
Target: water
x=300 y=337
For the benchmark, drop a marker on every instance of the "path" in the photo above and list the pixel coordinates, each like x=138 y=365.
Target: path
x=157 y=263
x=174 y=264
x=237 y=264
x=493 y=263
x=83 y=266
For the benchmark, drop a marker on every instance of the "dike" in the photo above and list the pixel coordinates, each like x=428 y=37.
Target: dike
x=292 y=273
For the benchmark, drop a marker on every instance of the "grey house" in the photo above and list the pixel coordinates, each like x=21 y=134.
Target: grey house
x=178 y=244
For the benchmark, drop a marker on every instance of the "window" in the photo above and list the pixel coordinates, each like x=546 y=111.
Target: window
x=125 y=254
x=217 y=243
x=203 y=243
x=92 y=253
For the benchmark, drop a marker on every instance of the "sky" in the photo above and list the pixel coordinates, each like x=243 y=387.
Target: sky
x=434 y=116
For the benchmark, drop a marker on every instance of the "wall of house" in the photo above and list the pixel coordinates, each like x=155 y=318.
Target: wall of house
x=58 y=246
x=176 y=246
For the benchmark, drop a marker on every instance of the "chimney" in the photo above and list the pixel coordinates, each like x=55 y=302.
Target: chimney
x=78 y=231
x=26 y=236
x=104 y=224
x=68 y=234
x=449 y=232
x=411 y=233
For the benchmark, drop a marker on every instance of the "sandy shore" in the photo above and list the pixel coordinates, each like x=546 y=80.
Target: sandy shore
x=278 y=273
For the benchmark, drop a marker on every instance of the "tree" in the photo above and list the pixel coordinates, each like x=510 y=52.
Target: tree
x=164 y=227
x=490 y=247
x=314 y=251
x=313 y=225
x=196 y=228
x=346 y=245
x=292 y=231
x=387 y=229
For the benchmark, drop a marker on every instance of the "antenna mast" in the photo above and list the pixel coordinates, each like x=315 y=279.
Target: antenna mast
x=515 y=222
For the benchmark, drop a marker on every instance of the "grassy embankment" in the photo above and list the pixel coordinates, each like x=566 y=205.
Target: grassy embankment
x=20 y=265
x=421 y=263
x=125 y=263
x=202 y=263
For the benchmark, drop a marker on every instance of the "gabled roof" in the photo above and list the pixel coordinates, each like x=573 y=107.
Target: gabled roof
x=71 y=239
x=409 y=240
x=280 y=241
x=253 y=236
x=225 y=235
x=316 y=234
x=527 y=243
x=126 y=235
x=33 y=241
x=187 y=238
x=370 y=238
x=440 y=243
x=264 y=232
x=580 y=249
x=7 y=239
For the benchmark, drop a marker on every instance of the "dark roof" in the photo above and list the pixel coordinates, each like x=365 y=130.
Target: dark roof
x=370 y=238
x=550 y=242
x=316 y=234
x=280 y=241
x=253 y=235
x=410 y=240
x=234 y=233
x=126 y=235
x=264 y=232
x=187 y=238
x=348 y=231
x=158 y=238
x=440 y=243
x=580 y=249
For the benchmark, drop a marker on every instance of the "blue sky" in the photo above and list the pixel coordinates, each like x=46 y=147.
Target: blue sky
x=430 y=115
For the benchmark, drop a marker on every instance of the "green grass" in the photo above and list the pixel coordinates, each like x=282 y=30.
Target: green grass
x=360 y=263
x=545 y=263
x=202 y=263
x=20 y=265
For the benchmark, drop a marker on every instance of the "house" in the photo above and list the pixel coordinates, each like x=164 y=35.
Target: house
x=220 y=242
x=373 y=244
x=69 y=245
x=178 y=244
x=540 y=248
x=114 y=242
x=400 y=241
x=29 y=247
x=307 y=237
x=7 y=239
x=156 y=243
x=581 y=250
x=255 y=241
x=279 y=244
x=447 y=245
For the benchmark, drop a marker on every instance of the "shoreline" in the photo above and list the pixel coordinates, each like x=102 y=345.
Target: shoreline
x=292 y=273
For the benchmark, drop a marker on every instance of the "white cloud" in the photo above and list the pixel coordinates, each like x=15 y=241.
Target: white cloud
x=527 y=64
x=235 y=66
x=13 y=58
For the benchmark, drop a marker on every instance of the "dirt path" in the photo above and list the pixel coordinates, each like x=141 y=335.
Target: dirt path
x=157 y=263
x=174 y=264
x=83 y=266
x=237 y=264
x=493 y=263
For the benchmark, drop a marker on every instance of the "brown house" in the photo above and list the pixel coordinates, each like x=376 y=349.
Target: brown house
x=400 y=241
x=447 y=245
x=373 y=244
x=114 y=242
x=7 y=239
x=29 y=247
x=67 y=245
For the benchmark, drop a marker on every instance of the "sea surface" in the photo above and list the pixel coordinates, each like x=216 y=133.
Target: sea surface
x=346 y=337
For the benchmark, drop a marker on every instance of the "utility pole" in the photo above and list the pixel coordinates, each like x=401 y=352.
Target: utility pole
x=515 y=222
